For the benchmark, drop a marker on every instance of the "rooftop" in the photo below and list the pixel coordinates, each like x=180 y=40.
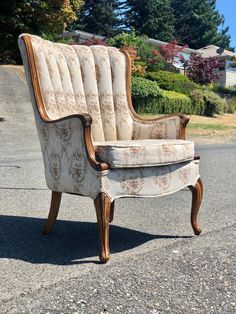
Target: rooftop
x=215 y=51
x=81 y=36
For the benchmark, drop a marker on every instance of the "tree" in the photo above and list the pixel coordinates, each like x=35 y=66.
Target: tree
x=197 y=23
x=32 y=16
x=223 y=36
x=100 y=17
x=154 y=18
x=201 y=70
x=16 y=17
x=53 y=16
x=171 y=50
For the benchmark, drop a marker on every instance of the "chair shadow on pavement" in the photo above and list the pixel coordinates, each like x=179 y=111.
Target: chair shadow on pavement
x=21 y=238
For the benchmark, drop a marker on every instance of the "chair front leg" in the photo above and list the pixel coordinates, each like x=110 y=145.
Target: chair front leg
x=197 y=193
x=112 y=211
x=53 y=212
x=103 y=210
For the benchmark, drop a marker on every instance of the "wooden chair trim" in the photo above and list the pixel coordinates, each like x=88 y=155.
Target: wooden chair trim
x=183 y=118
x=103 y=206
x=196 y=157
x=85 y=118
x=53 y=212
x=197 y=194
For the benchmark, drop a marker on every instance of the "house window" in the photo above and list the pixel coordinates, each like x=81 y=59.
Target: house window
x=221 y=66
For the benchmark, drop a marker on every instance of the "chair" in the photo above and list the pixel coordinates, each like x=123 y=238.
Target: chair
x=93 y=143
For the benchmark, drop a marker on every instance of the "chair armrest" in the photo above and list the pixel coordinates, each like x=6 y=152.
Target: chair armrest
x=71 y=131
x=167 y=127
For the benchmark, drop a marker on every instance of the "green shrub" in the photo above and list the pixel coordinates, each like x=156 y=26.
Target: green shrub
x=229 y=94
x=168 y=102
x=198 y=102
x=142 y=87
x=144 y=50
x=172 y=81
x=207 y=103
x=144 y=93
x=231 y=108
x=126 y=39
x=149 y=98
x=224 y=90
x=173 y=102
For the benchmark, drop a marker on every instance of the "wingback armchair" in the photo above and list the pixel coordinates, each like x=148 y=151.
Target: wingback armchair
x=93 y=143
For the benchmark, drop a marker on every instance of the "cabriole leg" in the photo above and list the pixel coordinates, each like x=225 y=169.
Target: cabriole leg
x=103 y=210
x=112 y=211
x=197 y=193
x=54 y=209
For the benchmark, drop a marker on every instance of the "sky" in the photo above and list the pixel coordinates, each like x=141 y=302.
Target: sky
x=228 y=9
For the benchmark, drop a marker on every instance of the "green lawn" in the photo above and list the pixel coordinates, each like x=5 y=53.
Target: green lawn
x=210 y=126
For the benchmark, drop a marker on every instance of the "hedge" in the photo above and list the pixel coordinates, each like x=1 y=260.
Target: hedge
x=173 y=102
x=224 y=90
x=149 y=98
x=168 y=102
x=172 y=81
x=142 y=87
x=207 y=103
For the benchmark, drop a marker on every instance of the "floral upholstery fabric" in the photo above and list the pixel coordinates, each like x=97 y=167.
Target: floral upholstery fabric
x=66 y=165
x=150 y=181
x=144 y=153
x=68 y=86
x=80 y=79
x=68 y=170
x=164 y=128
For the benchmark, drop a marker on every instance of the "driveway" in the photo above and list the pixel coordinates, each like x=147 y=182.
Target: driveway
x=156 y=266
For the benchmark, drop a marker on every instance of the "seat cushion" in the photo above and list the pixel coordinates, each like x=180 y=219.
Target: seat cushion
x=144 y=153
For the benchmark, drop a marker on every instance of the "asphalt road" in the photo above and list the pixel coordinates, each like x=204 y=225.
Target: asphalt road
x=156 y=266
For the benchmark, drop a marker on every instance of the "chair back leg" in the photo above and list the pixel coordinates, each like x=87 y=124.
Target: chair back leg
x=197 y=194
x=103 y=210
x=53 y=212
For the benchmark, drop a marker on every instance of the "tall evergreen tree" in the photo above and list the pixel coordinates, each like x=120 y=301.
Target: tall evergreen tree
x=197 y=23
x=99 y=17
x=224 y=37
x=153 y=18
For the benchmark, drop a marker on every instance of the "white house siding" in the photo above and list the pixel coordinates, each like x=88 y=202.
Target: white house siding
x=230 y=77
x=222 y=77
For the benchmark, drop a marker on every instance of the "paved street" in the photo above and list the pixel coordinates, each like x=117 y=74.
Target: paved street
x=156 y=265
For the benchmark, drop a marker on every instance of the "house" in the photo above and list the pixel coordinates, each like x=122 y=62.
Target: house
x=81 y=36
x=186 y=52
x=227 y=68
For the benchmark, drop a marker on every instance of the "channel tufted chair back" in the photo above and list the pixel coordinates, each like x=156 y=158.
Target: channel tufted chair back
x=80 y=79
x=93 y=142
